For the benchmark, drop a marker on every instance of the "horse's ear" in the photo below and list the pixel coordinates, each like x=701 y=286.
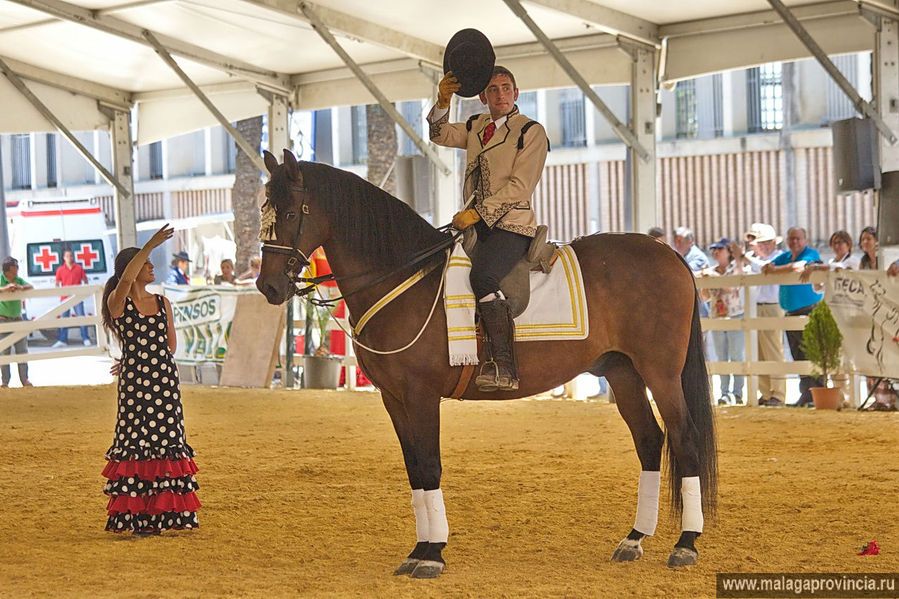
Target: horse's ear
x=271 y=163
x=290 y=162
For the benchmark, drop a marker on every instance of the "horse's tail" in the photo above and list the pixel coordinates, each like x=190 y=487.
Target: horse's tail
x=695 y=383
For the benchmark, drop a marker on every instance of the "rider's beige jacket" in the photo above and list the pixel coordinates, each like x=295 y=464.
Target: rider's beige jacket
x=503 y=173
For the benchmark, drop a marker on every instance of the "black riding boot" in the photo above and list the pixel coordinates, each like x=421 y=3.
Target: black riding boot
x=498 y=373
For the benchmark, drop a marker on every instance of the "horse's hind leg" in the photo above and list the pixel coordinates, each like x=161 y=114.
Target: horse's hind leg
x=633 y=405
x=418 y=433
x=683 y=444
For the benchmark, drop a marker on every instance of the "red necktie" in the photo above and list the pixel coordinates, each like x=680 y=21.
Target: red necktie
x=488 y=132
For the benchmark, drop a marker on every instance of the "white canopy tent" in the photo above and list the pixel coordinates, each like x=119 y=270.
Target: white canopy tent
x=91 y=61
x=93 y=48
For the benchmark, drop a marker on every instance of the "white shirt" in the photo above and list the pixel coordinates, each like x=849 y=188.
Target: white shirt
x=849 y=262
x=768 y=294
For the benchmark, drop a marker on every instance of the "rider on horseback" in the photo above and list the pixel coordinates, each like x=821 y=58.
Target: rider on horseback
x=506 y=152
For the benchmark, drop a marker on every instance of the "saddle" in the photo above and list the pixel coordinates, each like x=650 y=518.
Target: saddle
x=516 y=285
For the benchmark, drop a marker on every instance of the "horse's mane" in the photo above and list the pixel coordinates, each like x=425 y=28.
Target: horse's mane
x=366 y=218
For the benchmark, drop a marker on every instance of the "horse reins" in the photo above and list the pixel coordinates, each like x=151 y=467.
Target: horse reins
x=297 y=260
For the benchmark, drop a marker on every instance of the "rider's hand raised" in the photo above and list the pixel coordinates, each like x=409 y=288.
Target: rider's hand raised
x=446 y=88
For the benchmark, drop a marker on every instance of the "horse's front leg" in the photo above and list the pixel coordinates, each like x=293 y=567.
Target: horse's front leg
x=418 y=428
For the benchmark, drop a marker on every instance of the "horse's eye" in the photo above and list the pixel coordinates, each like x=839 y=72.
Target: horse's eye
x=290 y=216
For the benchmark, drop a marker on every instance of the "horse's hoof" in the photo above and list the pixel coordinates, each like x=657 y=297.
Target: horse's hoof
x=427 y=569
x=681 y=556
x=407 y=566
x=628 y=550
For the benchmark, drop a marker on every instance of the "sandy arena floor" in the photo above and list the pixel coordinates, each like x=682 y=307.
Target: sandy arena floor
x=305 y=495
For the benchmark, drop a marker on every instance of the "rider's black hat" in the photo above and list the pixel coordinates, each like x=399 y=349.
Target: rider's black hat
x=470 y=57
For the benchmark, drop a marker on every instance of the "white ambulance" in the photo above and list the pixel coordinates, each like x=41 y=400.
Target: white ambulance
x=40 y=230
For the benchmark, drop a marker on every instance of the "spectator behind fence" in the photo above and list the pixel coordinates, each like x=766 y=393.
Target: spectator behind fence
x=251 y=273
x=68 y=274
x=867 y=242
x=843 y=258
x=726 y=302
x=685 y=246
x=763 y=240
x=11 y=311
x=797 y=300
x=179 y=270
x=227 y=275
x=893 y=270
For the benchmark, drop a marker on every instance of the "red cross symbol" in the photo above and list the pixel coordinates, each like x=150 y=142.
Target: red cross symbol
x=46 y=259
x=87 y=255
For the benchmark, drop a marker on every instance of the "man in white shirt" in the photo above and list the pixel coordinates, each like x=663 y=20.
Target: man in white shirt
x=763 y=240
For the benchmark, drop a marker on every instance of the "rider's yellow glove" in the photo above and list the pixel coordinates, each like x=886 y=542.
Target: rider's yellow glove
x=446 y=88
x=465 y=219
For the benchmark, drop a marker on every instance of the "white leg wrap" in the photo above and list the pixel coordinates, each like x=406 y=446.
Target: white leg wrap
x=438 y=528
x=648 y=502
x=421 y=514
x=692 y=498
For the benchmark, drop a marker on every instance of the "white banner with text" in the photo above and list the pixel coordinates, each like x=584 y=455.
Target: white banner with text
x=865 y=305
x=203 y=318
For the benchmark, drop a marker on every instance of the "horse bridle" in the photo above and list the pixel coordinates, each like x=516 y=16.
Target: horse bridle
x=297 y=260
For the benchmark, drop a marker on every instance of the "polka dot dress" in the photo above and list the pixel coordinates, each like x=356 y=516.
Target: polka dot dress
x=151 y=484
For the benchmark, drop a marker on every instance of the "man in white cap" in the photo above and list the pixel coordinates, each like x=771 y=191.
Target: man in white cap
x=763 y=240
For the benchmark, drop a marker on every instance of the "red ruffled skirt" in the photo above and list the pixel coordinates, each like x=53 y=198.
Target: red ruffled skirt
x=151 y=495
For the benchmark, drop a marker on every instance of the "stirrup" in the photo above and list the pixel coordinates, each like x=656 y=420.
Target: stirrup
x=488 y=383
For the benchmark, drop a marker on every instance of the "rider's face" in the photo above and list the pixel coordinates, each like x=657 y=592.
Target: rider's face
x=500 y=96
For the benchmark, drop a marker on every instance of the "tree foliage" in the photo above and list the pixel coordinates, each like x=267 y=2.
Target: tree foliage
x=822 y=341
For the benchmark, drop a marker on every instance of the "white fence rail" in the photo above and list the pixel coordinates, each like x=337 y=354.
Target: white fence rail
x=16 y=330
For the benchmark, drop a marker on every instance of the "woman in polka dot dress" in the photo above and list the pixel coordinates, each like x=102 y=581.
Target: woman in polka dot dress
x=151 y=484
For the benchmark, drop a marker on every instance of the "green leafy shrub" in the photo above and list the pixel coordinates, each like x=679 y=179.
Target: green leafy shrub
x=822 y=342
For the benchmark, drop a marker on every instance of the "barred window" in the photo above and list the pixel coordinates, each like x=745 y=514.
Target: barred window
x=571 y=110
x=52 y=180
x=527 y=104
x=718 y=104
x=359 y=123
x=229 y=151
x=685 y=102
x=156 y=160
x=839 y=106
x=765 y=101
x=411 y=111
x=21 y=161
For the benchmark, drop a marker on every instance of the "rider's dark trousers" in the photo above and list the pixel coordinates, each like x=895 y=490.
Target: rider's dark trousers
x=497 y=252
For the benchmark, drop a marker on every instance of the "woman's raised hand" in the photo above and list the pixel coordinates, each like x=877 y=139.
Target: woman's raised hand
x=161 y=236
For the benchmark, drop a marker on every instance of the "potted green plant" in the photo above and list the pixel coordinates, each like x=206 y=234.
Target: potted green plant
x=822 y=343
x=321 y=370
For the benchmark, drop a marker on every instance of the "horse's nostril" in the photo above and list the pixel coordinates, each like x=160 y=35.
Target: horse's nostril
x=269 y=291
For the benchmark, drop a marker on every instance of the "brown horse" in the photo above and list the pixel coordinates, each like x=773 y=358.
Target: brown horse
x=644 y=333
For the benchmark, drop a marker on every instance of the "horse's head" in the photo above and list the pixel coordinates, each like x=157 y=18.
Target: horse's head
x=291 y=229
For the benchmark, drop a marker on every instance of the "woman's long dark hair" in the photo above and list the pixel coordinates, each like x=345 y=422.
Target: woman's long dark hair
x=121 y=263
x=866 y=263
